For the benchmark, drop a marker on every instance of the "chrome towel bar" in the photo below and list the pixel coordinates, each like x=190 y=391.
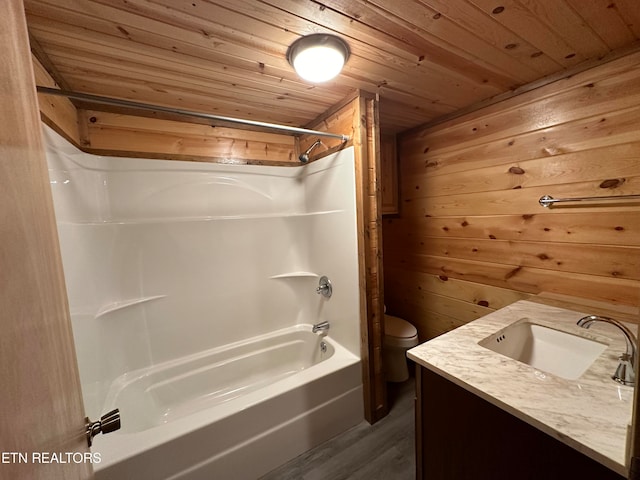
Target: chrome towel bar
x=547 y=200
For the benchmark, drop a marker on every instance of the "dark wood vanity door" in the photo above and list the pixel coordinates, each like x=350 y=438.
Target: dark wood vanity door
x=459 y=436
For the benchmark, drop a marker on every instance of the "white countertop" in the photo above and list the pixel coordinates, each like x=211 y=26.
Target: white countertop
x=590 y=414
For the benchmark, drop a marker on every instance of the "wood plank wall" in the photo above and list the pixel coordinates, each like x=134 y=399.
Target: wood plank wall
x=106 y=133
x=471 y=237
x=359 y=118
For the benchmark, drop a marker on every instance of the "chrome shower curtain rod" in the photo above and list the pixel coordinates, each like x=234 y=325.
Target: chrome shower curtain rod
x=177 y=111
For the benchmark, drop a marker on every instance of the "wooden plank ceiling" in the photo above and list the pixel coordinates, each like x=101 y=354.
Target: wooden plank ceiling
x=426 y=58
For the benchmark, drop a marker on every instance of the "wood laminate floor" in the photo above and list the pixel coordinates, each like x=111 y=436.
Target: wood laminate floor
x=384 y=451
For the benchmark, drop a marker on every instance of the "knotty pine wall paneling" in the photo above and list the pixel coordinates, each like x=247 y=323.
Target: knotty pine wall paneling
x=471 y=236
x=108 y=133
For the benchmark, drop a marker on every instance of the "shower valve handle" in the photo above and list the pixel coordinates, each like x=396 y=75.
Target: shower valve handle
x=325 y=289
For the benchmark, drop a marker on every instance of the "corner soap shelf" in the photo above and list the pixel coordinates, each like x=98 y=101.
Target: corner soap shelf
x=112 y=307
x=295 y=275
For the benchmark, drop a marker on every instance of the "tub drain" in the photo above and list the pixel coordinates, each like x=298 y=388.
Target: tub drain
x=323 y=347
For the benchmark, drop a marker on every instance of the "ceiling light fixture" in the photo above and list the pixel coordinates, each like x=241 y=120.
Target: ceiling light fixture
x=318 y=57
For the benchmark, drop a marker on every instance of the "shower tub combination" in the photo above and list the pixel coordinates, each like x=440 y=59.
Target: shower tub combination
x=200 y=282
x=236 y=411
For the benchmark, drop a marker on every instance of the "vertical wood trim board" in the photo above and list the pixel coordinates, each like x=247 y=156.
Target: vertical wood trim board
x=41 y=399
x=358 y=118
x=57 y=112
x=471 y=236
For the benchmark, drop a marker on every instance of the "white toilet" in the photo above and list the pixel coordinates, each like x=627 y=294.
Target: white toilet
x=399 y=336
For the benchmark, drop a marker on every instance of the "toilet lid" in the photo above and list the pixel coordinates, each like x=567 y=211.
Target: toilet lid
x=397 y=327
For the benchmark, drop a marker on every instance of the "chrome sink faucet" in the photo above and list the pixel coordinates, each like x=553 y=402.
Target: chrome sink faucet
x=625 y=373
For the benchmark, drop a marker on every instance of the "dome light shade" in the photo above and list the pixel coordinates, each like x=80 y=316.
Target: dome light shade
x=318 y=57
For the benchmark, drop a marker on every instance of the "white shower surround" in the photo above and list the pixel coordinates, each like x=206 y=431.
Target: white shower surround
x=166 y=259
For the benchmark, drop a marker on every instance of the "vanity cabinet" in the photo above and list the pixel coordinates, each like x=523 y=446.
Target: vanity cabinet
x=462 y=436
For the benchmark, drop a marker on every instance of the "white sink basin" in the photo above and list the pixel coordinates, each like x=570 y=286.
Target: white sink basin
x=552 y=351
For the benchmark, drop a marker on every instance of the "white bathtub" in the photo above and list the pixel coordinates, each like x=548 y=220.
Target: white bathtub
x=236 y=411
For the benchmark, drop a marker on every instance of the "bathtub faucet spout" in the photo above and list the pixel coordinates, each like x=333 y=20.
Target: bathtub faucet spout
x=320 y=327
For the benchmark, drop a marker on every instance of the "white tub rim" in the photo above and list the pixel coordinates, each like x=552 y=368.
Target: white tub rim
x=120 y=446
